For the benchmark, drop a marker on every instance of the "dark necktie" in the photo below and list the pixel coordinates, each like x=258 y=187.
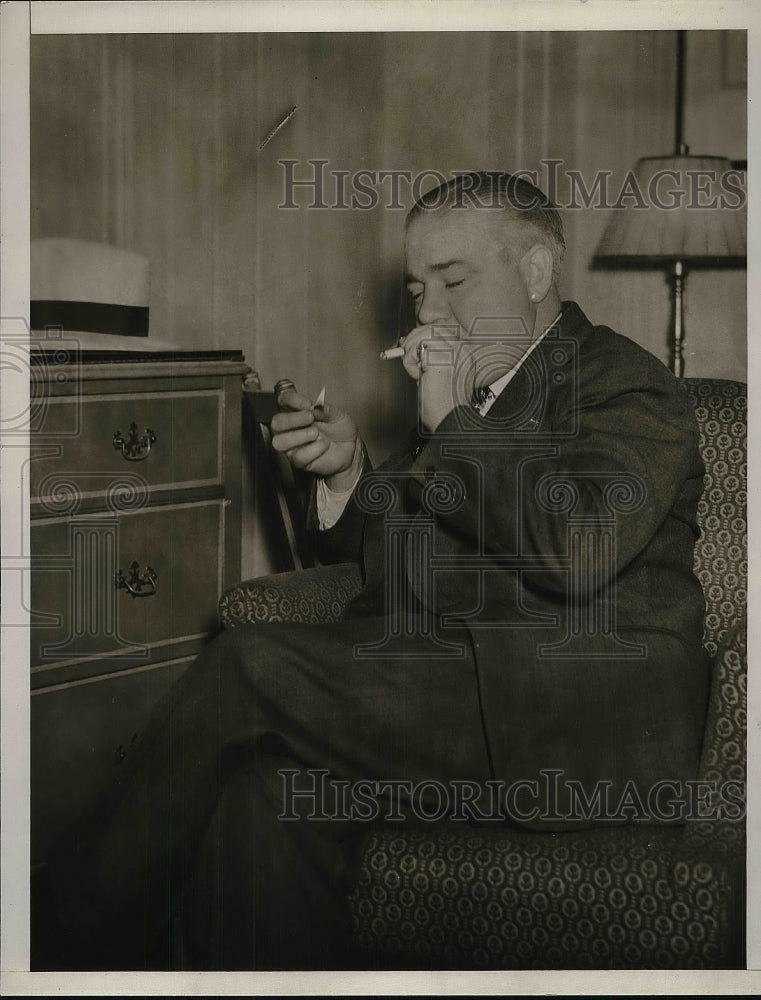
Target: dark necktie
x=481 y=395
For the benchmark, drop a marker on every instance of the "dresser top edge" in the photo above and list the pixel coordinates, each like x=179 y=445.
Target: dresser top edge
x=159 y=368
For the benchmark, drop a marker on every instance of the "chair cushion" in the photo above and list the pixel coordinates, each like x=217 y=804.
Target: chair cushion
x=506 y=899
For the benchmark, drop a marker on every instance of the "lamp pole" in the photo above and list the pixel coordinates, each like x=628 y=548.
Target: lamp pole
x=678 y=273
x=677 y=278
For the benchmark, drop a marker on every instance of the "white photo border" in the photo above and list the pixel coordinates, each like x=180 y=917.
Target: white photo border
x=20 y=20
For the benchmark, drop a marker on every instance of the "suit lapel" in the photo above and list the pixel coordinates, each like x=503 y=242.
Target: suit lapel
x=525 y=402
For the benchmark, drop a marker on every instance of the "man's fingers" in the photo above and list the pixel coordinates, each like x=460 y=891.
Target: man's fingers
x=414 y=349
x=304 y=456
x=412 y=344
x=290 y=399
x=289 y=420
x=286 y=441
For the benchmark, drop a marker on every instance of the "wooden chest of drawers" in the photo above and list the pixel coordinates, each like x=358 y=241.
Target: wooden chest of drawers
x=135 y=531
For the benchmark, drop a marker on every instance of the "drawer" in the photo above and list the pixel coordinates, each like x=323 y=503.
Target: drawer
x=176 y=440
x=74 y=565
x=80 y=733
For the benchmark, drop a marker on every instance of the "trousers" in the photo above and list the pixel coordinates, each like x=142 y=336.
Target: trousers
x=194 y=834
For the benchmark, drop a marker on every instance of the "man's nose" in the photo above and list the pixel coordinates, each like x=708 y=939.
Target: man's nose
x=434 y=307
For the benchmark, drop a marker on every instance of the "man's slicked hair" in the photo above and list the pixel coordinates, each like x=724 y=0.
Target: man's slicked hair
x=513 y=194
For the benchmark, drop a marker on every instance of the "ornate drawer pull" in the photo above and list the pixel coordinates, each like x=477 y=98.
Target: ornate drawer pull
x=135 y=448
x=139 y=583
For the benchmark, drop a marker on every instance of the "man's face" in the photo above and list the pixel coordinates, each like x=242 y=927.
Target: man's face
x=458 y=274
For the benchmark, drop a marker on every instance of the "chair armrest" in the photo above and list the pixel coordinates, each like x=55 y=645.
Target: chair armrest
x=311 y=596
x=721 y=830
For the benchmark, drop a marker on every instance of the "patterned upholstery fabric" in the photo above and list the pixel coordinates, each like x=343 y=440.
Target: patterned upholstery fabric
x=720 y=554
x=310 y=595
x=502 y=899
x=723 y=761
x=667 y=897
x=639 y=897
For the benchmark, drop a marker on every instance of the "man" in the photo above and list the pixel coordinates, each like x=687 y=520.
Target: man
x=528 y=606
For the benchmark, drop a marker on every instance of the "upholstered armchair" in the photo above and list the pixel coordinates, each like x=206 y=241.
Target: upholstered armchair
x=626 y=897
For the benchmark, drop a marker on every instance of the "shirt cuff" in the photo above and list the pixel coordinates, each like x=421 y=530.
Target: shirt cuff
x=332 y=503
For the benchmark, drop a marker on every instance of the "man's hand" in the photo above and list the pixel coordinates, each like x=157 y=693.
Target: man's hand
x=443 y=367
x=321 y=439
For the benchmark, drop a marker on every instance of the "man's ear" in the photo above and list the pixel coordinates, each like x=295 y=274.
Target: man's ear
x=536 y=268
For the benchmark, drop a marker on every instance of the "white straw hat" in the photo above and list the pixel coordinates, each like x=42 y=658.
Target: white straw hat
x=94 y=292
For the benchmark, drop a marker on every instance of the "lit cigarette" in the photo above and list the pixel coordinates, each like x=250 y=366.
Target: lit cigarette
x=320 y=401
x=392 y=352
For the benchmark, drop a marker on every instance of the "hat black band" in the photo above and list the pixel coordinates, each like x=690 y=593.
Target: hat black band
x=90 y=317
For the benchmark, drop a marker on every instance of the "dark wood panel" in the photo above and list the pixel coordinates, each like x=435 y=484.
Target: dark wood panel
x=186 y=444
x=74 y=566
x=102 y=658
x=79 y=736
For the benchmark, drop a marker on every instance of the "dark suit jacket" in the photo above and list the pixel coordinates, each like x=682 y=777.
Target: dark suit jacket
x=562 y=530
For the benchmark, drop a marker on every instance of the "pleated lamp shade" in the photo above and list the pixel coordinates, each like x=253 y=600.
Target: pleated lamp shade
x=678 y=208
